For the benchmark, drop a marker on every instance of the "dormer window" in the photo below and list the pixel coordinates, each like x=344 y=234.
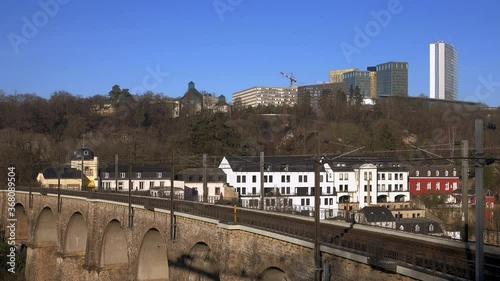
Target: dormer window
x=454 y=173
x=437 y=173
x=122 y=175
x=106 y=175
x=159 y=175
x=428 y=173
x=417 y=173
x=446 y=173
x=139 y=175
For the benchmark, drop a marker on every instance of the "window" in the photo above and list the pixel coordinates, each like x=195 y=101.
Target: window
x=321 y=178
x=265 y=178
x=341 y=176
x=270 y=178
x=254 y=178
x=417 y=173
x=285 y=178
x=139 y=175
x=396 y=176
x=428 y=186
x=428 y=173
x=445 y=174
x=365 y=175
x=244 y=179
x=120 y=185
x=106 y=175
x=389 y=176
x=418 y=186
x=217 y=191
x=122 y=175
x=437 y=173
x=308 y=201
x=328 y=190
x=238 y=179
x=389 y=186
x=162 y=184
x=288 y=190
x=141 y=185
x=454 y=173
x=159 y=175
x=326 y=201
x=365 y=188
x=383 y=176
x=151 y=184
x=447 y=186
x=243 y=190
x=254 y=190
x=438 y=186
x=331 y=201
x=346 y=176
x=305 y=178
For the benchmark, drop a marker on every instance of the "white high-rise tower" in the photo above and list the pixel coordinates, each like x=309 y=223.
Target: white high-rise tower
x=443 y=71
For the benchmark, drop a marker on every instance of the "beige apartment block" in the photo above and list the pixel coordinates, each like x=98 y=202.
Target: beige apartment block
x=265 y=95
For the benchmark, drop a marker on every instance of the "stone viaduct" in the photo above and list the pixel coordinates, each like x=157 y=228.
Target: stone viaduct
x=90 y=239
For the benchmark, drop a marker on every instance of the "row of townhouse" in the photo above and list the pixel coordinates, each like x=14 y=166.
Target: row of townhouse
x=349 y=183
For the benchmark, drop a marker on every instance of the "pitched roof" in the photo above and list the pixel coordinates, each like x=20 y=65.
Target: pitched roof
x=67 y=173
x=377 y=214
x=272 y=163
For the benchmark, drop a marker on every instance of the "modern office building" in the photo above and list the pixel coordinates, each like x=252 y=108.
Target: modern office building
x=392 y=79
x=443 y=71
x=315 y=91
x=265 y=95
x=358 y=78
x=373 y=81
x=337 y=76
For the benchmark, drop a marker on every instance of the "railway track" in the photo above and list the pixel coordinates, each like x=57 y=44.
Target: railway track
x=450 y=259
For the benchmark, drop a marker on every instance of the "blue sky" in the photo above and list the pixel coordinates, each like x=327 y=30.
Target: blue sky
x=86 y=47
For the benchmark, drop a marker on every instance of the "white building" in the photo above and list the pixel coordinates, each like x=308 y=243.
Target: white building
x=443 y=71
x=143 y=178
x=346 y=183
x=265 y=95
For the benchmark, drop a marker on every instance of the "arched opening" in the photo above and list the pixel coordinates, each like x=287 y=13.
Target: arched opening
x=22 y=225
x=382 y=199
x=45 y=229
x=344 y=199
x=400 y=198
x=273 y=274
x=201 y=264
x=153 y=262
x=114 y=246
x=76 y=235
x=42 y=254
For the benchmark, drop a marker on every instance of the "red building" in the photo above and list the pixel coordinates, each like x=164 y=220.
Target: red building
x=489 y=202
x=437 y=180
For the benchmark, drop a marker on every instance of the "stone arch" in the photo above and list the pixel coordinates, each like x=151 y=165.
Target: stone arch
x=45 y=228
x=76 y=234
x=114 y=245
x=22 y=224
x=273 y=274
x=201 y=263
x=152 y=263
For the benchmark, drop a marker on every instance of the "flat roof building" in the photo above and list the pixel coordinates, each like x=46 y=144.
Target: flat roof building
x=443 y=71
x=265 y=95
x=392 y=79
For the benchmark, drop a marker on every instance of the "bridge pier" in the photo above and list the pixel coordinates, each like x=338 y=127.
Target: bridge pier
x=41 y=263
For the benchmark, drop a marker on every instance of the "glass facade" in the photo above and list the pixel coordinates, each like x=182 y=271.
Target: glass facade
x=392 y=79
